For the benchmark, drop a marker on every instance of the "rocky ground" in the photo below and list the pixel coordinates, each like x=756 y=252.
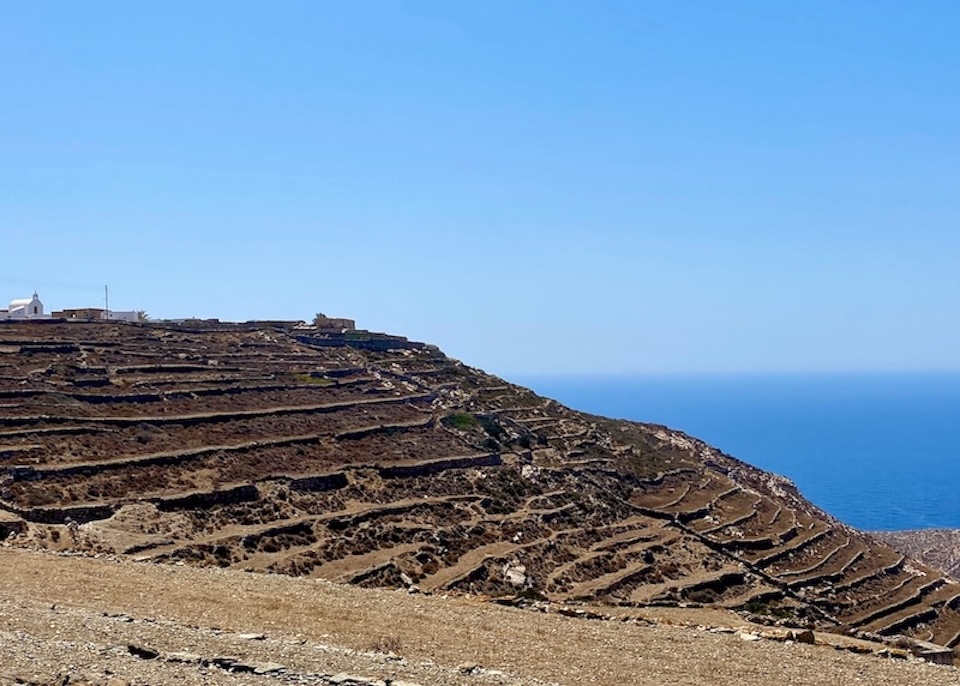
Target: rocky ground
x=381 y=463
x=78 y=620
x=937 y=547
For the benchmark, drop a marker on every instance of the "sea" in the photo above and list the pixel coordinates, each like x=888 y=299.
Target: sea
x=880 y=452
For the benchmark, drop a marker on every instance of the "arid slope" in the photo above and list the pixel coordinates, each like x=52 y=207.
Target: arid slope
x=937 y=547
x=72 y=620
x=377 y=463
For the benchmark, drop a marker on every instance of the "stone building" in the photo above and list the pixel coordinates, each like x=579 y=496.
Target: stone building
x=338 y=324
x=79 y=313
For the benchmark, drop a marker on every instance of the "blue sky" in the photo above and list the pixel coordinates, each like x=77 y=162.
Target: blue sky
x=537 y=187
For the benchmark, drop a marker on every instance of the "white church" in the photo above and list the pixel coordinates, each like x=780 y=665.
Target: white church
x=25 y=308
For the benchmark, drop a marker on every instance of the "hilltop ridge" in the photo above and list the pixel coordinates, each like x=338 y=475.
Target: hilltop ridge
x=380 y=462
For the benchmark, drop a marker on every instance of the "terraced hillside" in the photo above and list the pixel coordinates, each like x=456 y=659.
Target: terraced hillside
x=382 y=463
x=937 y=547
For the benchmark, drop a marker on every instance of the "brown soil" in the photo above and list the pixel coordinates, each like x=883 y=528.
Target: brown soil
x=71 y=620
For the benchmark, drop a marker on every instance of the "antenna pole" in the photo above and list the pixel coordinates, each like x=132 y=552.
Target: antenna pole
x=106 y=302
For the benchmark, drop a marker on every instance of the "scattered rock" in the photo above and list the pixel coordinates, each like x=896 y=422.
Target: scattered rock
x=252 y=637
x=581 y=613
x=189 y=658
x=143 y=652
x=344 y=679
x=515 y=574
x=242 y=666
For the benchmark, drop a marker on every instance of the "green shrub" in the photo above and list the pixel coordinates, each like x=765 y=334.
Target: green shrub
x=462 y=421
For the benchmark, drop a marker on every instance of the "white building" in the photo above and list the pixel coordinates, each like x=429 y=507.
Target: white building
x=25 y=308
x=122 y=315
x=32 y=308
x=96 y=313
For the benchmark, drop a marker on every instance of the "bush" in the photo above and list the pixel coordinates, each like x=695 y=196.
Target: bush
x=462 y=421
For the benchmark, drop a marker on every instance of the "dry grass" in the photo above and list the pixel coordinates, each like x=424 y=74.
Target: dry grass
x=433 y=634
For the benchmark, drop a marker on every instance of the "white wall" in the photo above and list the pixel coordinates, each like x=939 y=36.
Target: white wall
x=24 y=309
x=122 y=316
x=35 y=309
